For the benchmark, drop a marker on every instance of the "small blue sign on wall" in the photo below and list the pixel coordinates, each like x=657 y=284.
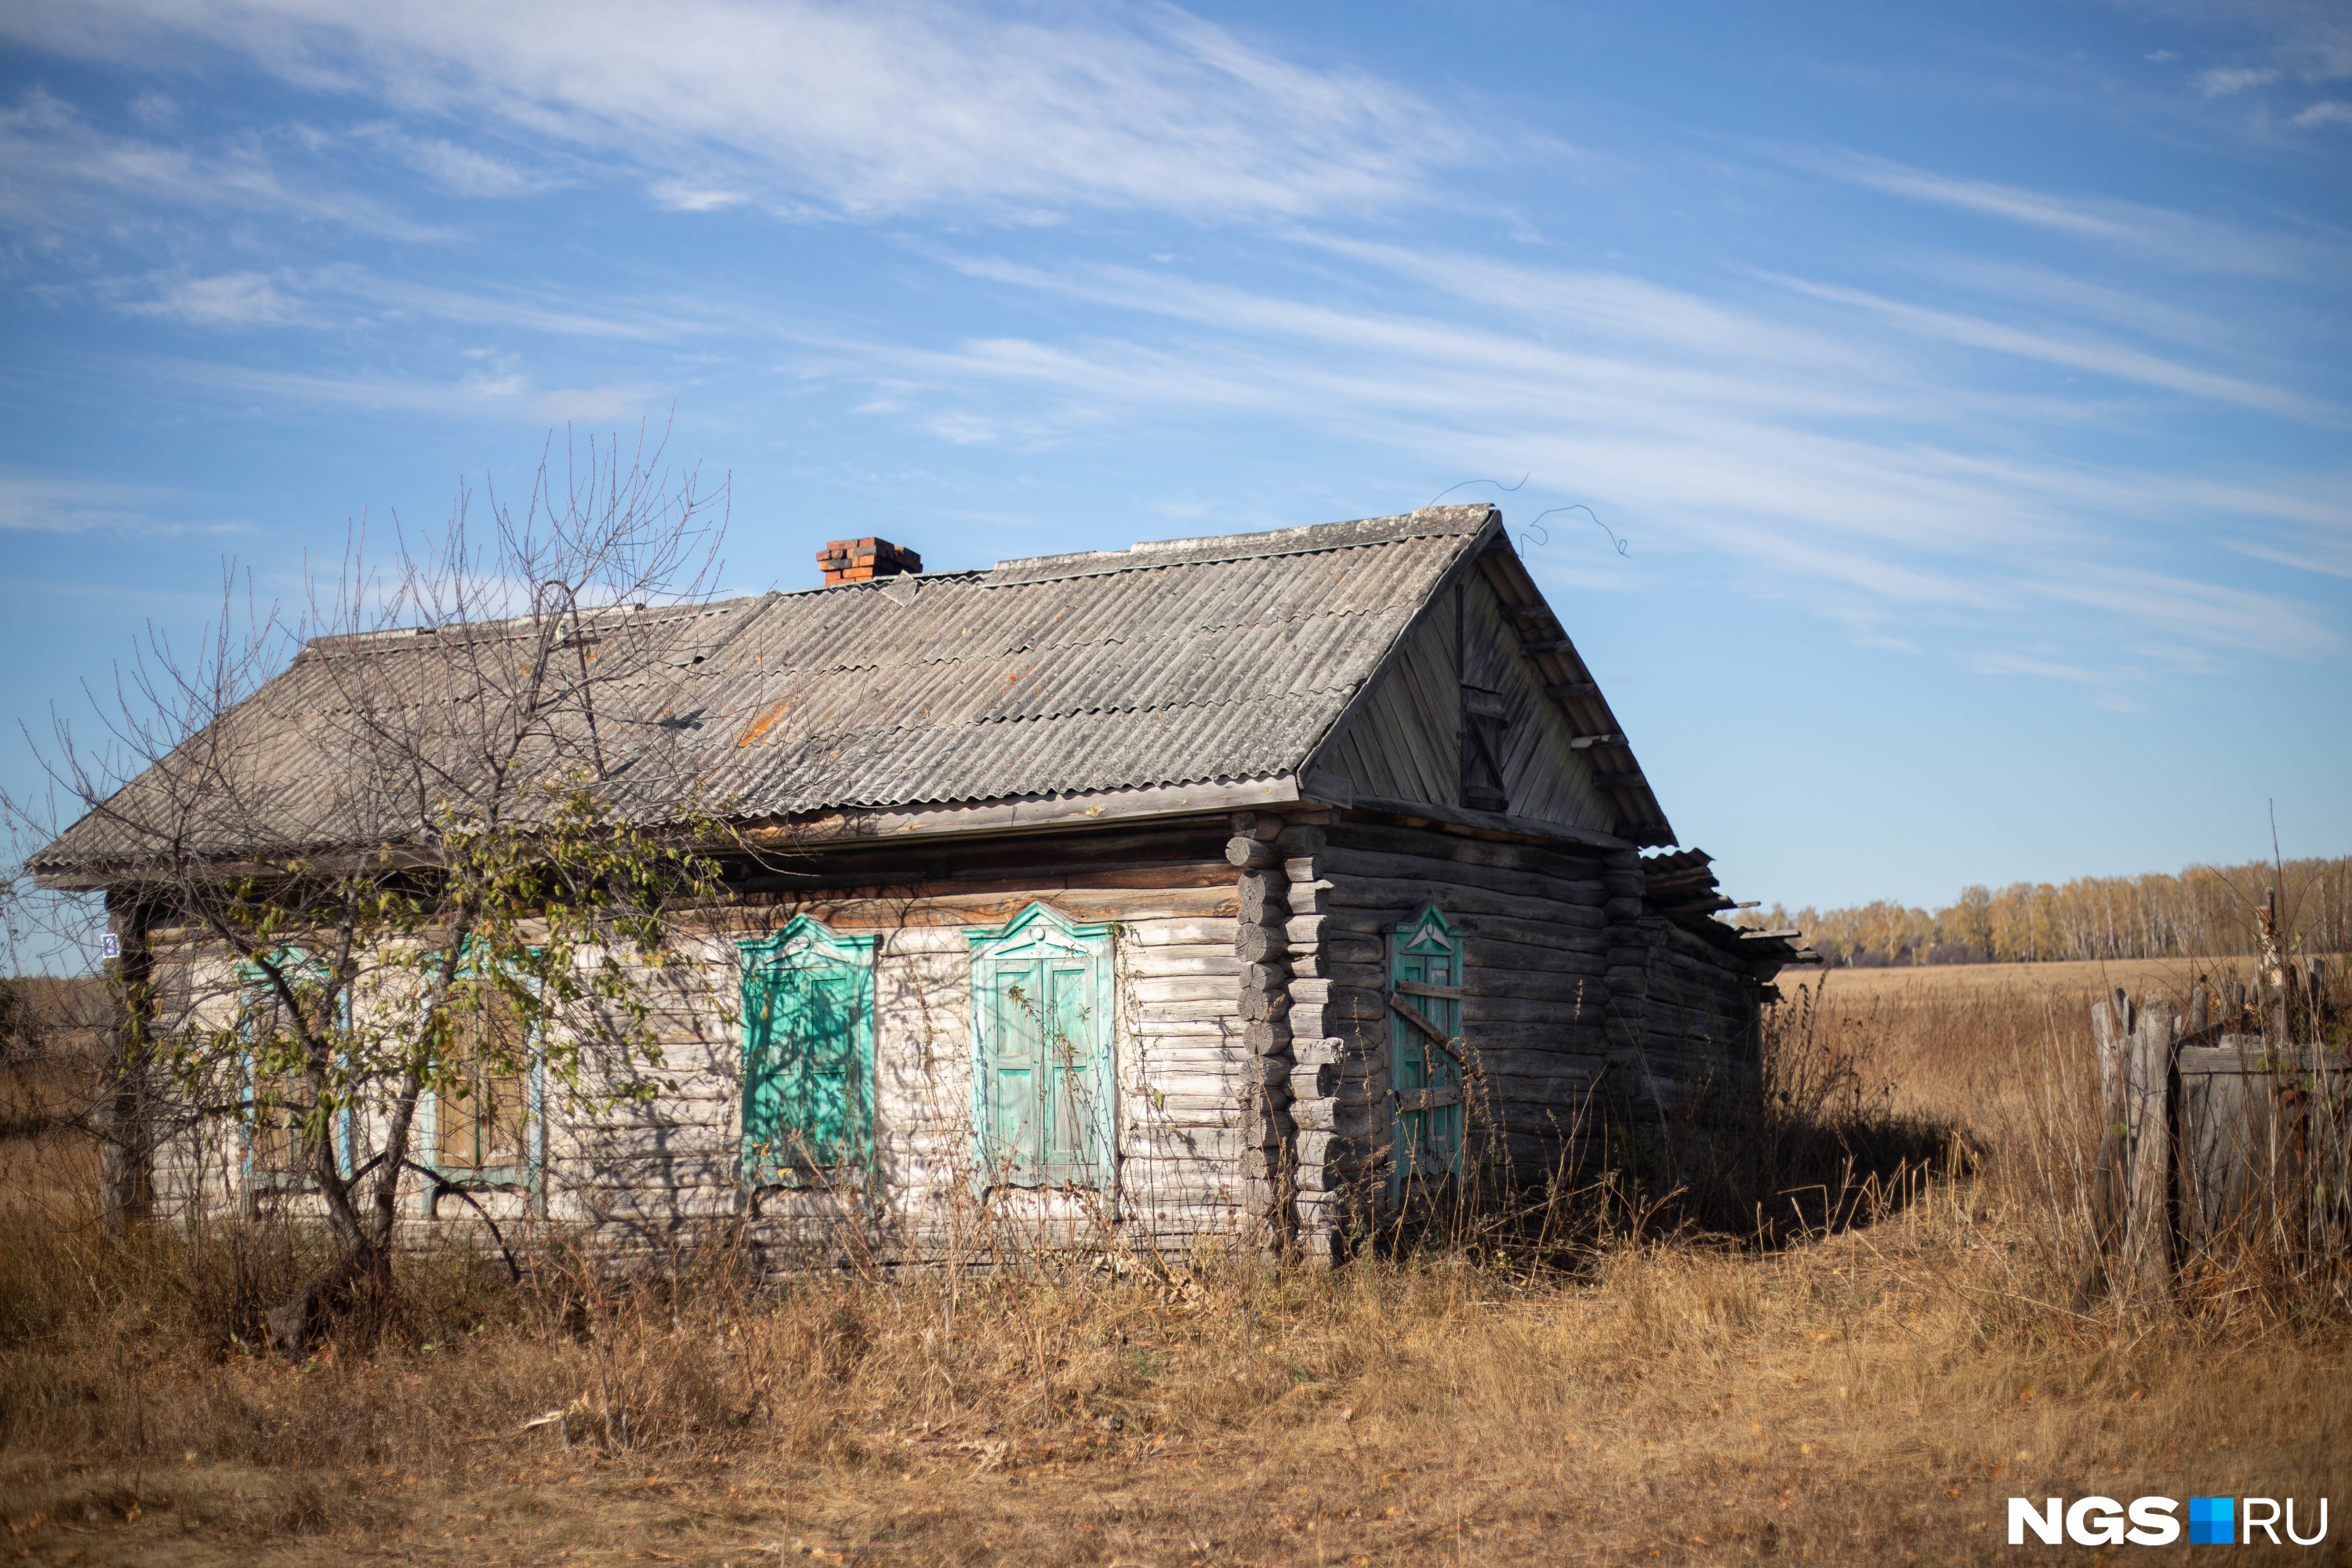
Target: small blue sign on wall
x=110 y=947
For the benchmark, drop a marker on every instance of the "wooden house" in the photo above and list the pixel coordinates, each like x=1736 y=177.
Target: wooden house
x=1217 y=887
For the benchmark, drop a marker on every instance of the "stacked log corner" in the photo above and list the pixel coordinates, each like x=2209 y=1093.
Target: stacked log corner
x=1265 y=849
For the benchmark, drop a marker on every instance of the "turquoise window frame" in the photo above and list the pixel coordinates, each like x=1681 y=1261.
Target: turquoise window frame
x=807 y=956
x=1061 y=1131
x=253 y=983
x=529 y=1177
x=1428 y=1143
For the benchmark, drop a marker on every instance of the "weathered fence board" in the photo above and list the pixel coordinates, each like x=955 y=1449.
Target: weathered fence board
x=2218 y=1148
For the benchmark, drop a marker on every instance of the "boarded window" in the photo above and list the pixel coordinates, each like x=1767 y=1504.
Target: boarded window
x=482 y=1115
x=1042 y=1078
x=808 y=1058
x=1485 y=741
x=277 y=1091
x=1424 y=1047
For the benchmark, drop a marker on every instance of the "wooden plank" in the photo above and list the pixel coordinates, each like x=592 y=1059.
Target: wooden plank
x=1179 y=987
x=1399 y=898
x=924 y=824
x=1437 y=1036
x=1408 y=1100
x=860 y=915
x=1443 y=993
x=1339 y=861
x=1568 y=1005
x=2147 y=1220
x=1171 y=963
x=1552 y=859
x=1179 y=932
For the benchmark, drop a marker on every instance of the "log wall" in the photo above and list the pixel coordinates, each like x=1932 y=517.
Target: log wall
x=638 y=1178
x=1579 y=1006
x=1250 y=1038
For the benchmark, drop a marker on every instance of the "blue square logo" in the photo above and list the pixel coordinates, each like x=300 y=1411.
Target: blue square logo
x=2212 y=1521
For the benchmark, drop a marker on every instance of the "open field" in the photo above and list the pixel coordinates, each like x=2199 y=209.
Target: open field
x=1871 y=1396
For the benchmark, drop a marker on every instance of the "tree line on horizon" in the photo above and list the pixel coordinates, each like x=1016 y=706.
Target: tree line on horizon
x=2202 y=911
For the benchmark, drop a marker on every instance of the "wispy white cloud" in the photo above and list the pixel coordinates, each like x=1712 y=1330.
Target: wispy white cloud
x=63 y=172
x=2222 y=80
x=684 y=197
x=2080 y=353
x=1802 y=478
x=2330 y=557
x=2212 y=611
x=232 y=300
x=506 y=393
x=559 y=313
x=2048 y=670
x=346 y=296
x=2075 y=297
x=36 y=503
x=589 y=404
x=865 y=109
x=2156 y=234
x=463 y=169
x=2326 y=111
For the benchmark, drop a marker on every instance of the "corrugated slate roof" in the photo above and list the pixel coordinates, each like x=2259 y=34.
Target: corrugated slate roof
x=1171 y=663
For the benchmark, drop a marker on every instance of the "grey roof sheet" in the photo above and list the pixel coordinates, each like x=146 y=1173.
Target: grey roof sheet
x=1171 y=663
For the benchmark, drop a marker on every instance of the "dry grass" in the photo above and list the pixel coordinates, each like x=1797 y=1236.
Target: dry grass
x=1870 y=1396
x=1913 y=984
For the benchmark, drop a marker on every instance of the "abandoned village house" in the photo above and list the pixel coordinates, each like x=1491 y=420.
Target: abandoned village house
x=1214 y=887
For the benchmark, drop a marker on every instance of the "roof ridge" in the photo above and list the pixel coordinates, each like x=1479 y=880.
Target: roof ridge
x=1311 y=539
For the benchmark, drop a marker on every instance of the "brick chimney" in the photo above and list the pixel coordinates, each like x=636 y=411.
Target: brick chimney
x=859 y=559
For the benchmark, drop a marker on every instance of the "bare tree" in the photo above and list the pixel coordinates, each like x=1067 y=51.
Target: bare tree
x=431 y=854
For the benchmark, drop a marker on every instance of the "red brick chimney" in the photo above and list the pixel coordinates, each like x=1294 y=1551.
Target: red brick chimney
x=859 y=559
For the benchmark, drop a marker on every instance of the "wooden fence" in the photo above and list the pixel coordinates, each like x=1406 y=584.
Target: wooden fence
x=2227 y=1137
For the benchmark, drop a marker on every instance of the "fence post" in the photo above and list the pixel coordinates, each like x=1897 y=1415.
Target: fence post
x=2106 y=1195
x=2147 y=1209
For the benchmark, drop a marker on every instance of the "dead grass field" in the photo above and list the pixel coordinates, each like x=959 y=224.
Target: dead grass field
x=1872 y=1395
x=2170 y=976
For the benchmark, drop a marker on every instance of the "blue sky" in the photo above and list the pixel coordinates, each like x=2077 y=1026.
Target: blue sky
x=1969 y=386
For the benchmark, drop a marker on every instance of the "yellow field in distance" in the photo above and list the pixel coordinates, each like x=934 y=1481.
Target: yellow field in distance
x=2172 y=976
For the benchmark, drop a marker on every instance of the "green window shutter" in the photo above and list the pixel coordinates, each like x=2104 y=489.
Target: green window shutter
x=1073 y=1043
x=808 y=1058
x=1014 y=1065
x=1429 y=1138
x=1043 y=1082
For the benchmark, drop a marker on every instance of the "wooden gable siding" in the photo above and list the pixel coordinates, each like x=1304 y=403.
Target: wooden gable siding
x=1546 y=778
x=1405 y=742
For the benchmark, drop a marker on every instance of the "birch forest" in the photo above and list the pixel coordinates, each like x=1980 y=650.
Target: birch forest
x=2204 y=911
